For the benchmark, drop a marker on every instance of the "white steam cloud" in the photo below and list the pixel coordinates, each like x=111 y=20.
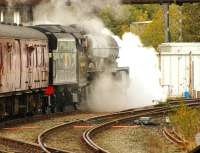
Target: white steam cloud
x=106 y=95
x=80 y=12
x=144 y=88
x=144 y=70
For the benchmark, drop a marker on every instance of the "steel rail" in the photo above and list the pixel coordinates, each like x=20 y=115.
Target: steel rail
x=87 y=135
x=43 y=136
x=45 y=133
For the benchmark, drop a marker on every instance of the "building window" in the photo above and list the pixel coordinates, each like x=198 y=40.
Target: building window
x=17 y=17
x=1 y=16
x=11 y=16
x=8 y=16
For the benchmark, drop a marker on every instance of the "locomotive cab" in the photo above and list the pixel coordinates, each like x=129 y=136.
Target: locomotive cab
x=68 y=64
x=64 y=61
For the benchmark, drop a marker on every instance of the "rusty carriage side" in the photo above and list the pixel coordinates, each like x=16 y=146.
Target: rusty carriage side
x=23 y=70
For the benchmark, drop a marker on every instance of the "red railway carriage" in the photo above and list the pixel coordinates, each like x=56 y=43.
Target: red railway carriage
x=23 y=59
x=23 y=67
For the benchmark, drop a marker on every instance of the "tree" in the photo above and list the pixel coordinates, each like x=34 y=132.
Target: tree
x=119 y=19
x=191 y=22
x=154 y=33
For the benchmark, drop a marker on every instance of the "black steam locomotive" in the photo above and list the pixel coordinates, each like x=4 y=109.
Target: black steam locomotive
x=47 y=67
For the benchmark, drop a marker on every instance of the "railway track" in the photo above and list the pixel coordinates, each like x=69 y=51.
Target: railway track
x=94 y=124
x=19 y=144
x=88 y=134
x=87 y=123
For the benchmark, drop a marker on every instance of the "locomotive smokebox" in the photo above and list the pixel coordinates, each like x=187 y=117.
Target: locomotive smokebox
x=102 y=51
x=102 y=46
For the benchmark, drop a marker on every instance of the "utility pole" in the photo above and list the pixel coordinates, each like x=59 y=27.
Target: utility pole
x=190 y=74
x=166 y=22
x=180 y=25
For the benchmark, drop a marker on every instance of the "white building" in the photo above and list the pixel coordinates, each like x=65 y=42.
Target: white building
x=180 y=68
x=19 y=12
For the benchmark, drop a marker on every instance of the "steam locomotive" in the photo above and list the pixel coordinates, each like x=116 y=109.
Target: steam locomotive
x=64 y=59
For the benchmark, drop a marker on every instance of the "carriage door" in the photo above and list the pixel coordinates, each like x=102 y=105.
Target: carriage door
x=30 y=63
x=41 y=64
x=17 y=65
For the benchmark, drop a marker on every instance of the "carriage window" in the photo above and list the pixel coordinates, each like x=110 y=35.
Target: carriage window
x=9 y=47
x=36 y=56
x=43 y=60
x=40 y=56
x=30 y=58
x=66 y=46
x=1 y=57
x=1 y=65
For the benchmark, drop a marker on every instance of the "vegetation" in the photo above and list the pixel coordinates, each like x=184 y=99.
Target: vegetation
x=191 y=22
x=187 y=122
x=153 y=35
x=119 y=20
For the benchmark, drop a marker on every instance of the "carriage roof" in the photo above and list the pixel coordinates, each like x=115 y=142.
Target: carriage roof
x=20 y=32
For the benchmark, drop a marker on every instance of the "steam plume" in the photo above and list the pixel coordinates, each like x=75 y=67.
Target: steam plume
x=144 y=88
x=80 y=12
x=144 y=72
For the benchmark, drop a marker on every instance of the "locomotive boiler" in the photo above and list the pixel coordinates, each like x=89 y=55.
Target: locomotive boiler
x=102 y=52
